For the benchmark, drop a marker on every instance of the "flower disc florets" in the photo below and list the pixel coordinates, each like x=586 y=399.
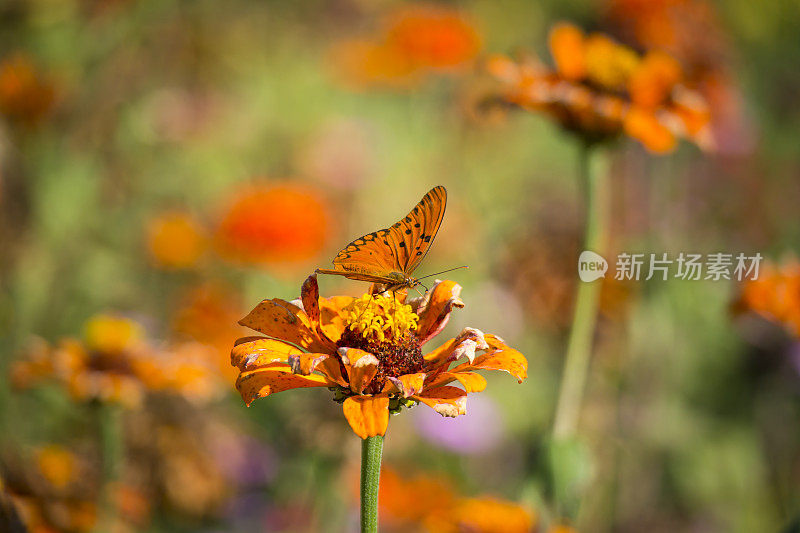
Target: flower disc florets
x=384 y=326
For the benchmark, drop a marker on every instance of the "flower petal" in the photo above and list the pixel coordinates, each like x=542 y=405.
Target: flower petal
x=309 y=295
x=471 y=381
x=361 y=367
x=367 y=415
x=282 y=320
x=499 y=357
x=305 y=363
x=465 y=344
x=332 y=369
x=434 y=310
x=252 y=352
x=332 y=316
x=253 y=384
x=447 y=401
x=407 y=384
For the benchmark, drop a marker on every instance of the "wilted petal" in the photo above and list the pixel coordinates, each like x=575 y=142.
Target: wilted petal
x=434 y=310
x=361 y=367
x=309 y=295
x=253 y=384
x=464 y=345
x=282 y=320
x=447 y=401
x=305 y=363
x=367 y=415
x=469 y=340
x=252 y=352
x=471 y=381
x=499 y=357
x=407 y=384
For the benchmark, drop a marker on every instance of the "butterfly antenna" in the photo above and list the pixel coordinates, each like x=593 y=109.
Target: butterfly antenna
x=442 y=272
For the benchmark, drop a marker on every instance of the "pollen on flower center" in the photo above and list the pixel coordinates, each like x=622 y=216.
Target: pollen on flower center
x=384 y=327
x=380 y=317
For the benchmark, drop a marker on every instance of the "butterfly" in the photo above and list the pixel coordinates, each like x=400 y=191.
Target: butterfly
x=389 y=256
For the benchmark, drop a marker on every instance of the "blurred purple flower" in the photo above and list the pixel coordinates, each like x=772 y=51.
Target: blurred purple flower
x=480 y=430
x=245 y=461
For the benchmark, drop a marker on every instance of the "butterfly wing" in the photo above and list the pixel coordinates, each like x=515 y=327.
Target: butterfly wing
x=411 y=238
x=398 y=249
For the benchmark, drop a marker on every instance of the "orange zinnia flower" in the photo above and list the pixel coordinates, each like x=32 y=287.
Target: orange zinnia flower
x=690 y=31
x=416 y=40
x=268 y=223
x=601 y=89
x=427 y=502
x=115 y=364
x=368 y=352
x=57 y=465
x=481 y=515
x=775 y=295
x=432 y=37
x=176 y=240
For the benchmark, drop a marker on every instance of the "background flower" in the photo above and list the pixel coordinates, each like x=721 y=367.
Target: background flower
x=266 y=223
x=176 y=240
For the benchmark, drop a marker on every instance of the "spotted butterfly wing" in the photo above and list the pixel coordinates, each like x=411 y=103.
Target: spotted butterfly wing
x=389 y=256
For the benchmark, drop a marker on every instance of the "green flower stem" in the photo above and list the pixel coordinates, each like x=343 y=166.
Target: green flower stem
x=112 y=448
x=371 y=453
x=593 y=174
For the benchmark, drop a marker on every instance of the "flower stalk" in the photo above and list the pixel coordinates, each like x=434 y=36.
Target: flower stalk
x=371 y=454
x=110 y=419
x=593 y=176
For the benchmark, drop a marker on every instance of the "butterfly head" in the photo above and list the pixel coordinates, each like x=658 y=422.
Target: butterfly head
x=399 y=281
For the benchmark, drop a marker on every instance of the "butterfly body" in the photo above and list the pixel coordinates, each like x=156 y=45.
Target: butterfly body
x=389 y=256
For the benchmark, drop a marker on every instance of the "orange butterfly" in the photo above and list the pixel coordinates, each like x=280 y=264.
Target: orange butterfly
x=389 y=256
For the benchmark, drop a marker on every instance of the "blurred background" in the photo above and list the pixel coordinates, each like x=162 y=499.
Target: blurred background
x=167 y=164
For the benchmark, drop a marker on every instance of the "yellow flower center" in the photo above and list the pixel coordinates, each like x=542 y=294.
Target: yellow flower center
x=609 y=63
x=380 y=317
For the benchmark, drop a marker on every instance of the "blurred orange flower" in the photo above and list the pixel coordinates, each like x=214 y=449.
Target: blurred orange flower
x=691 y=32
x=43 y=514
x=775 y=294
x=363 y=63
x=57 y=465
x=415 y=40
x=481 y=515
x=427 y=502
x=175 y=240
x=561 y=528
x=58 y=491
x=408 y=501
x=116 y=364
x=25 y=96
x=268 y=223
x=601 y=89
x=368 y=352
x=687 y=29
x=208 y=314
x=432 y=36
